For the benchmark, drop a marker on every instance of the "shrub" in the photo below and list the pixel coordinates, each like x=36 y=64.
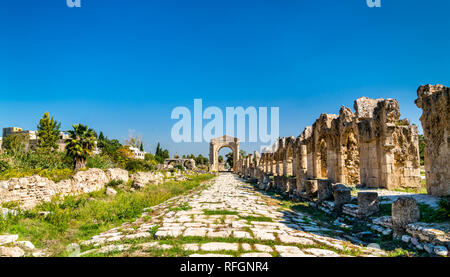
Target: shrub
x=441 y=214
x=99 y=161
x=138 y=165
x=60 y=218
x=115 y=183
x=180 y=167
x=444 y=208
x=43 y=160
x=55 y=175
x=4 y=165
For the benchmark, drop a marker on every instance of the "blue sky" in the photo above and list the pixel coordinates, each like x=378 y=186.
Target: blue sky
x=121 y=65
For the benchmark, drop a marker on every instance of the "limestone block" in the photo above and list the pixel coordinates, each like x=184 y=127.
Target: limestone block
x=111 y=192
x=368 y=203
x=324 y=190
x=11 y=252
x=364 y=107
x=311 y=188
x=117 y=174
x=342 y=195
x=404 y=211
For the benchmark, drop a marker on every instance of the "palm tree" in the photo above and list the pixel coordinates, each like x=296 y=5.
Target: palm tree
x=80 y=144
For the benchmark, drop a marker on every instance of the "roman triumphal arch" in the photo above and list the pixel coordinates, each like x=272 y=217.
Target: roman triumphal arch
x=218 y=143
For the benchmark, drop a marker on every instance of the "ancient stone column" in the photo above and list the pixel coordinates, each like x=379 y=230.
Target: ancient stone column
x=367 y=203
x=404 y=211
x=435 y=119
x=301 y=167
x=342 y=195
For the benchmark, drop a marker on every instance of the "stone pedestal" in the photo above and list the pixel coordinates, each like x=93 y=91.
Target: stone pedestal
x=404 y=211
x=342 y=195
x=311 y=188
x=278 y=182
x=367 y=204
x=292 y=182
x=324 y=190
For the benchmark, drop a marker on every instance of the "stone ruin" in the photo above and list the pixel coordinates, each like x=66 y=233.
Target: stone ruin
x=186 y=163
x=371 y=147
x=435 y=104
x=216 y=145
x=32 y=190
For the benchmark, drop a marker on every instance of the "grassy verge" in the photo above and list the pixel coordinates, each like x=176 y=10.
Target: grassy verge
x=55 y=175
x=77 y=218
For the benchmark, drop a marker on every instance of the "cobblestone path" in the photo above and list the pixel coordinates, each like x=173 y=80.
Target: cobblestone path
x=228 y=218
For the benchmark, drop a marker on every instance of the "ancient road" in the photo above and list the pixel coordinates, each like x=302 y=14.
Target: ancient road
x=228 y=218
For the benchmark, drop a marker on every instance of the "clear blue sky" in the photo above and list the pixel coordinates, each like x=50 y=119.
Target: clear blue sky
x=120 y=65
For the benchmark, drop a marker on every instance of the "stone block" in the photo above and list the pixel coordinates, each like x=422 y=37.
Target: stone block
x=311 y=188
x=324 y=190
x=342 y=195
x=404 y=211
x=368 y=203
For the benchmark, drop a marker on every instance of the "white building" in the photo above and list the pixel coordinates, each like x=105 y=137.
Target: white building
x=137 y=154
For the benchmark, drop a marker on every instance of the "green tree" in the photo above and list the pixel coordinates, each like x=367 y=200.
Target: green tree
x=101 y=137
x=229 y=159
x=422 y=149
x=158 y=151
x=141 y=148
x=80 y=145
x=220 y=159
x=48 y=132
x=15 y=143
x=160 y=154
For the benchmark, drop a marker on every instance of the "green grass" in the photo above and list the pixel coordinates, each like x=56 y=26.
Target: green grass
x=184 y=207
x=78 y=218
x=257 y=218
x=427 y=213
x=55 y=175
x=219 y=212
x=421 y=190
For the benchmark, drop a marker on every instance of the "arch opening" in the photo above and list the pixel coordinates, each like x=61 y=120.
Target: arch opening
x=323 y=159
x=351 y=159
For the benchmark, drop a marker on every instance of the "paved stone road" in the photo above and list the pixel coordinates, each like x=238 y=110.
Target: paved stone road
x=228 y=218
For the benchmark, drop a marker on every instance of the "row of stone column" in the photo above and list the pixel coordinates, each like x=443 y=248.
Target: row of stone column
x=371 y=147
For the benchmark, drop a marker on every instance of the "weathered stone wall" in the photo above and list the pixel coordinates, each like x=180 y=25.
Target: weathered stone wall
x=371 y=147
x=32 y=190
x=435 y=104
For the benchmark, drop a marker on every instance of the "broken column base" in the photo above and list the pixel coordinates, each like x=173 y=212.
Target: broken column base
x=367 y=203
x=342 y=195
x=311 y=188
x=324 y=190
x=404 y=211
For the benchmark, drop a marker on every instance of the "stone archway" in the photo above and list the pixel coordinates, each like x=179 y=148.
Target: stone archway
x=186 y=163
x=218 y=143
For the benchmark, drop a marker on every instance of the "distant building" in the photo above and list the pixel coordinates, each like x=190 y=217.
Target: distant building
x=10 y=130
x=30 y=135
x=61 y=142
x=137 y=154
